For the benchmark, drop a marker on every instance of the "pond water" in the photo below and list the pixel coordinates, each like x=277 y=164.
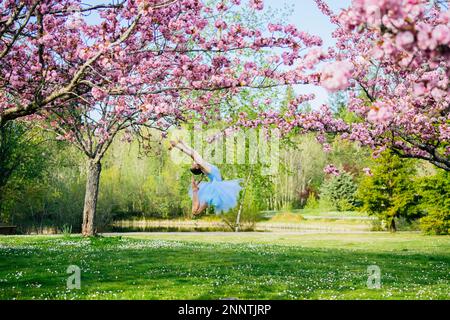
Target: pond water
x=219 y=226
x=172 y=226
x=121 y=229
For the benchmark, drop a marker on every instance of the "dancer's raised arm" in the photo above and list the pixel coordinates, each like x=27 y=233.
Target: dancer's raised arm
x=181 y=145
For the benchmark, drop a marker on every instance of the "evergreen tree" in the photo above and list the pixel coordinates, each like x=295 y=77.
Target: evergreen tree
x=389 y=193
x=340 y=192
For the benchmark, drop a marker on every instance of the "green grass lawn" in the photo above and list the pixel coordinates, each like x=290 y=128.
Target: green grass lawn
x=214 y=266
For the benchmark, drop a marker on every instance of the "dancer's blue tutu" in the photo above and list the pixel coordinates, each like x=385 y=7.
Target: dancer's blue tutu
x=222 y=195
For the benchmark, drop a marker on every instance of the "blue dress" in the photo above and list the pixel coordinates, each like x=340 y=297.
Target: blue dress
x=222 y=195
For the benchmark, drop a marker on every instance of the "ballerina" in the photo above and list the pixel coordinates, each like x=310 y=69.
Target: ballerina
x=219 y=194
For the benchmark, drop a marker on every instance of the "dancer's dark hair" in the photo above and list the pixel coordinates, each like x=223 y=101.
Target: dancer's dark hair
x=196 y=171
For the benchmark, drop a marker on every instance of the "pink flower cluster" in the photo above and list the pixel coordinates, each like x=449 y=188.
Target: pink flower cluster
x=380 y=112
x=336 y=75
x=332 y=170
x=257 y=4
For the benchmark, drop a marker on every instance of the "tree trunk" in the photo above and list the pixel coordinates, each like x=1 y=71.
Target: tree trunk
x=1 y=199
x=94 y=169
x=393 y=227
x=241 y=207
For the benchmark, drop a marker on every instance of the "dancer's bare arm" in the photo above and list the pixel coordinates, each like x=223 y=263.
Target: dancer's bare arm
x=181 y=145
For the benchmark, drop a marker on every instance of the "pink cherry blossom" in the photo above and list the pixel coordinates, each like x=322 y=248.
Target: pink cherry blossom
x=380 y=113
x=441 y=34
x=257 y=4
x=336 y=75
x=404 y=39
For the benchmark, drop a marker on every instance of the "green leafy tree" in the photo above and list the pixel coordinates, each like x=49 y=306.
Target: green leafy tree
x=22 y=159
x=435 y=203
x=390 y=193
x=50 y=193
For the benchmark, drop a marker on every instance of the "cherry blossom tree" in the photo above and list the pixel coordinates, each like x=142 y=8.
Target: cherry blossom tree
x=40 y=50
x=50 y=56
x=391 y=58
x=394 y=58
x=145 y=64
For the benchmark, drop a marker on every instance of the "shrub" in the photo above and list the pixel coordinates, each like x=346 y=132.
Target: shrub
x=312 y=202
x=345 y=205
x=436 y=222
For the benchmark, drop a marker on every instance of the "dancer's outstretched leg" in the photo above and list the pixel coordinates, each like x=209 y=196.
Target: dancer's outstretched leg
x=198 y=159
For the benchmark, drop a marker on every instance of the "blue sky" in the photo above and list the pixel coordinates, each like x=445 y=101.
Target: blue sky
x=308 y=18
